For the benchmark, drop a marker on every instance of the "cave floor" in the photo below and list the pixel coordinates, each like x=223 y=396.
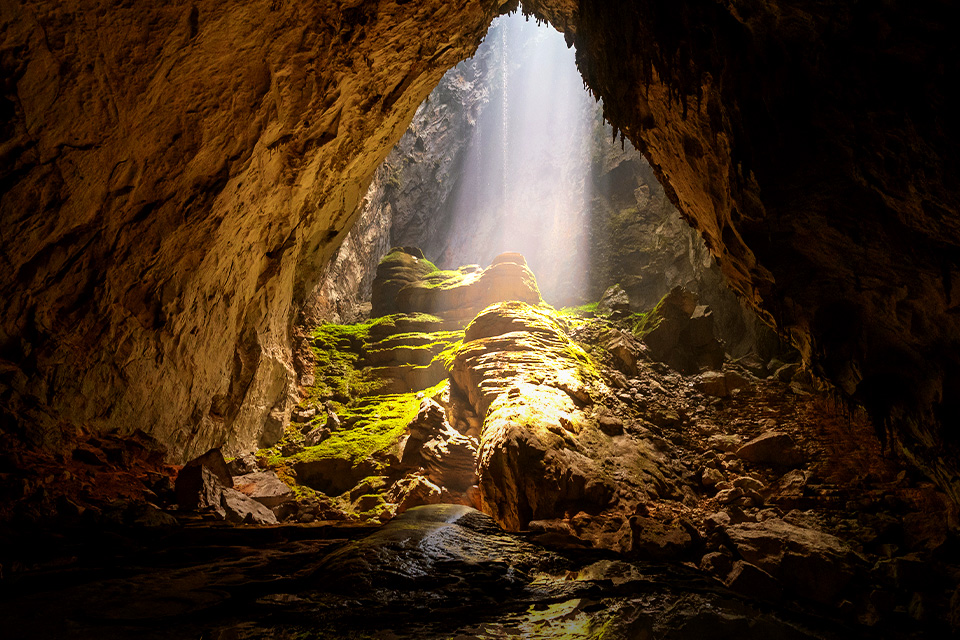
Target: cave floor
x=440 y=571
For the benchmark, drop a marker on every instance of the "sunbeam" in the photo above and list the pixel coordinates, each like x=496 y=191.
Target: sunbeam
x=525 y=184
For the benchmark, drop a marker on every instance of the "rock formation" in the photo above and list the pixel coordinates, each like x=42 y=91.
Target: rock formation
x=407 y=283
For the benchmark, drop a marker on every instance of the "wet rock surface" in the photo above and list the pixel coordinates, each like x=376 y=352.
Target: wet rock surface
x=435 y=572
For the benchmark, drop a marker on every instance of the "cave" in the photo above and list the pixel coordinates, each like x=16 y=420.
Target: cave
x=233 y=406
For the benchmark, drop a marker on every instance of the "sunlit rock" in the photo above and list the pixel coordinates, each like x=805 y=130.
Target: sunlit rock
x=407 y=283
x=543 y=452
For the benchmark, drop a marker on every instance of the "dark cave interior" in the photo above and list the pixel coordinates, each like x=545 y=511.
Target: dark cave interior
x=209 y=432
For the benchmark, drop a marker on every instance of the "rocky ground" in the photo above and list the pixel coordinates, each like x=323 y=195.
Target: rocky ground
x=542 y=473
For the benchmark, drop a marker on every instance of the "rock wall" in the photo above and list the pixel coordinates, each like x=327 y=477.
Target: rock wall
x=811 y=146
x=174 y=177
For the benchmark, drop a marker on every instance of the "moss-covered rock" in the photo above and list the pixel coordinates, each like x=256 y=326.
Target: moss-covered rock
x=410 y=284
x=680 y=333
x=400 y=267
x=544 y=453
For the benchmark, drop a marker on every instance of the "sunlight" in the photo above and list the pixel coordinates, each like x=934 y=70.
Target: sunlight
x=526 y=173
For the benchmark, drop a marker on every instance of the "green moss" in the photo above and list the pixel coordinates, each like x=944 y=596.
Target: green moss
x=382 y=421
x=580 y=310
x=441 y=279
x=449 y=354
x=643 y=323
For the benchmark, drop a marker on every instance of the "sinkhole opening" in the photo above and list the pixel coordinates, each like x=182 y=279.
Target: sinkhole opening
x=511 y=153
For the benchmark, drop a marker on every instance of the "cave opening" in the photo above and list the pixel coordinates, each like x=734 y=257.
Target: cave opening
x=584 y=434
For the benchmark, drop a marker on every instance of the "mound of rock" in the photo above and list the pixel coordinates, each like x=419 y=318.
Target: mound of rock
x=545 y=452
x=408 y=283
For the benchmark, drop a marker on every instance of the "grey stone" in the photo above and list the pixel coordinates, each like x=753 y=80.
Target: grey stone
x=239 y=508
x=265 y=487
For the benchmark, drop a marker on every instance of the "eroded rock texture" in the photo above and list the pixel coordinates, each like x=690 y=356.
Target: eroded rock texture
x=173 y=178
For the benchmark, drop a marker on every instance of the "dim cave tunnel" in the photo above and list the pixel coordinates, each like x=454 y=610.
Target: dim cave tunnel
x=547 y=319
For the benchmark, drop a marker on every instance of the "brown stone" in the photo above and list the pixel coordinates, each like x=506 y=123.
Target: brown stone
x=772 y=448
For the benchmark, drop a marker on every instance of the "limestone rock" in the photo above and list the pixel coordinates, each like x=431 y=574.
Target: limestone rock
x=200 y=481
x=680 y=333
x=772 y=448
x=448 y=458
x=752 y=581
x=242 y=464
x=199 y=489
x=150 y=516
x=161 y=269
x=711 y=477
x=451 y=460
x=658 y=540
x=543 y=454
x=412 y=491
x=401 y=267
x=454 y=295
x=241 y=509
x=316 y=436
x=264 y=487
x=719 y=384
x=614 y=299
x=812 y=563
x=106 y=327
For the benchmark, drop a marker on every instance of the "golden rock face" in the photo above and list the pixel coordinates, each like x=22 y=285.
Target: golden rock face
x=174 y=177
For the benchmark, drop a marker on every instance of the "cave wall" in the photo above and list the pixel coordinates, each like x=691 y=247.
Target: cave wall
x=813 y=145
x=173 y=178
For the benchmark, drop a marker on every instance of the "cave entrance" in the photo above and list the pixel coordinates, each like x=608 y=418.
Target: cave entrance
x=511 y=153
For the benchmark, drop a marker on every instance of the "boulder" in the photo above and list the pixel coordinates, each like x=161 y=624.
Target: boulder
x=710 y=477
x=613 y=299
x=625 y=349
x=243 y=463
x=659 y=540
x=316 y=436
x=712 y=383
x=812 y=563
x=192 y=487
x=680 y=333
x=265 y=487
x=720 y=384
x=197 y=487
x=772 y=448
x=412 y=491
x=752 y=581
x=241 y=509
x=150 y=516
